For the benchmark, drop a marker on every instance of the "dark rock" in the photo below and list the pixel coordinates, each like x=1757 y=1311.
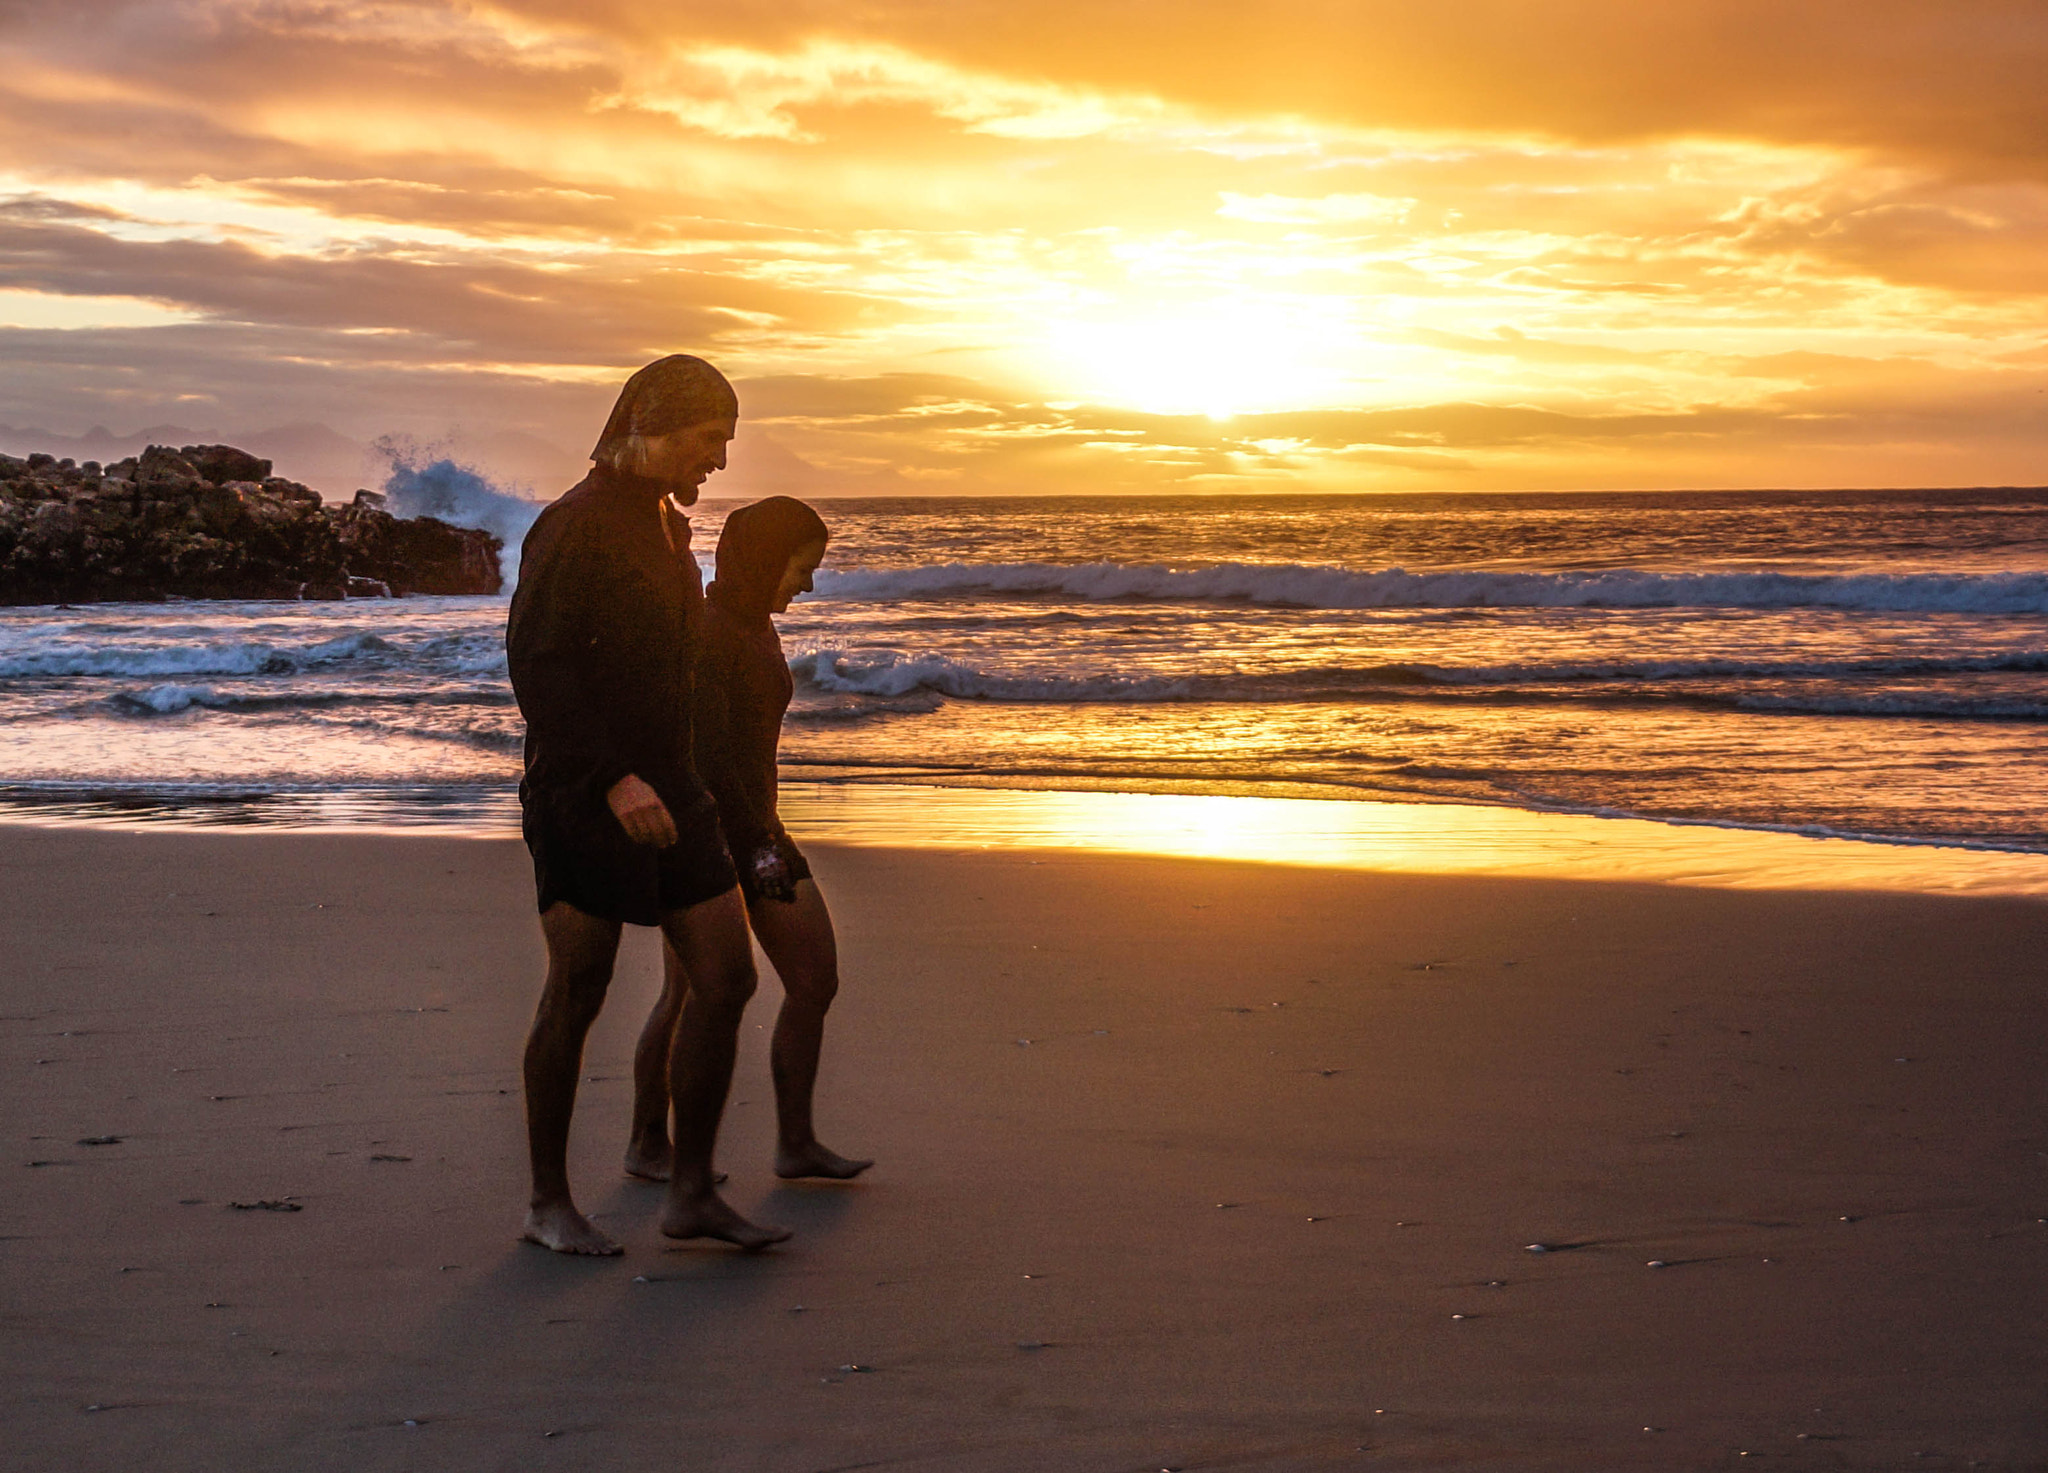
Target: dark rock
x=421 y=555
x=373 y=499
x=162 y=469
x=291 y=491
x=156 y=527
x=219 y=507
x=223 y=463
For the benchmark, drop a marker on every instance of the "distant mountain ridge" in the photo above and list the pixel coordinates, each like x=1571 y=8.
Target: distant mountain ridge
x=513 y=461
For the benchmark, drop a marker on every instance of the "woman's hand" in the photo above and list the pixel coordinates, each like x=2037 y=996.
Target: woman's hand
x=641 y=813
x=771 y=874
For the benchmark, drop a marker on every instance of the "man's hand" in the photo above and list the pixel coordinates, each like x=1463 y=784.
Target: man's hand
x=641 y=813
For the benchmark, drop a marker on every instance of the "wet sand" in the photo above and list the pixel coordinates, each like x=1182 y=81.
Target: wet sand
x=1183 y=1164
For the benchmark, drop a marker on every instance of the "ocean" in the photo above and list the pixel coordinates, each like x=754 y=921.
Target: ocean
x=1868 y=664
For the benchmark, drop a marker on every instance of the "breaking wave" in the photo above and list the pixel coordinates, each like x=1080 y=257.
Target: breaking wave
x=470 y=655
x=893 y=676
x=459 y=495
x=892 y=673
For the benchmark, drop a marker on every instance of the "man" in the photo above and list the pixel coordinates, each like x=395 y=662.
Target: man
x=620 y=828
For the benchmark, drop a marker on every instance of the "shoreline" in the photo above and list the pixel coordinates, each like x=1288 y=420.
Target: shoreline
x=1184 y=1163
x=1374 y=835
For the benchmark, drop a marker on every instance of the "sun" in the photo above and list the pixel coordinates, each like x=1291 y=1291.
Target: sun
x=1218 y=359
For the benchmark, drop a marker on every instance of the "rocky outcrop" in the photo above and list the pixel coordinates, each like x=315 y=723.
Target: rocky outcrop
x=211 y=521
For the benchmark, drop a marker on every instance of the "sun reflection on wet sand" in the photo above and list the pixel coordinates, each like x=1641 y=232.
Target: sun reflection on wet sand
x=1429 y=838
x=1413 y=838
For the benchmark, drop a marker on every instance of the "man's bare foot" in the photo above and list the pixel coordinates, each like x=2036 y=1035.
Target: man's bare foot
x=792 y=1162
x=708 y=1216
x=565 y=1230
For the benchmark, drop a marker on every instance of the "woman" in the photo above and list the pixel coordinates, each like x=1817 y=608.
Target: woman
x=766 y=556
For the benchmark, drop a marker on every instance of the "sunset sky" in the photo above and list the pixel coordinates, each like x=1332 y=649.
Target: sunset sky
x=1040 y=246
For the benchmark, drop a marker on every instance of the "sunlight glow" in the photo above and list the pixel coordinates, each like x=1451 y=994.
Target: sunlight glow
x=1217 y=358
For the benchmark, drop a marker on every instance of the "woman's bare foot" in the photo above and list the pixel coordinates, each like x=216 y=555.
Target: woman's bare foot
x=792 y=1162
x=649 y=1161
x=648 y=1165
x=561 y=1227
x=709 y=1216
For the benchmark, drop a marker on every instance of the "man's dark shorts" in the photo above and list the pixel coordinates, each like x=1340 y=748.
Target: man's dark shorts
x=582 y=856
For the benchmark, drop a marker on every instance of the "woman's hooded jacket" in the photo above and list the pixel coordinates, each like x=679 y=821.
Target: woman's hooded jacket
x=743 y=684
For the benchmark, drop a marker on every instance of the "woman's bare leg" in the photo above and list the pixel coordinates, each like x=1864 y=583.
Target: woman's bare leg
x=580 y=952
x=710 y=941
x=798 y=938
x=647 y=1148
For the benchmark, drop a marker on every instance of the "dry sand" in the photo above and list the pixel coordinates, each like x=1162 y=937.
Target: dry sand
x=1183 y=1165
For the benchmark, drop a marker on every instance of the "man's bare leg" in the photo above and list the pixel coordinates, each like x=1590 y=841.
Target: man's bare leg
x=710 y=942
x=647 y=1148
x=797 y=935
x=581 y=949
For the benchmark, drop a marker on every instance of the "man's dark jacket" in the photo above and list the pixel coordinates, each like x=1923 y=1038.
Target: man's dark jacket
x=599 y=642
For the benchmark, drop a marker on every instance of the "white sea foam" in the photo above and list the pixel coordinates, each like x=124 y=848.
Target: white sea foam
x=168 y=699
x=242 y=658
x=890 y=673
x=1301 y=586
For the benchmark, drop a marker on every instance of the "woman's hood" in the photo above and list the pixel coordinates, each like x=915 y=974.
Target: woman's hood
x=755 y=546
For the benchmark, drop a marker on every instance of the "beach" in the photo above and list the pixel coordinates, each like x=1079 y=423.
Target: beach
x=1183 y=1163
